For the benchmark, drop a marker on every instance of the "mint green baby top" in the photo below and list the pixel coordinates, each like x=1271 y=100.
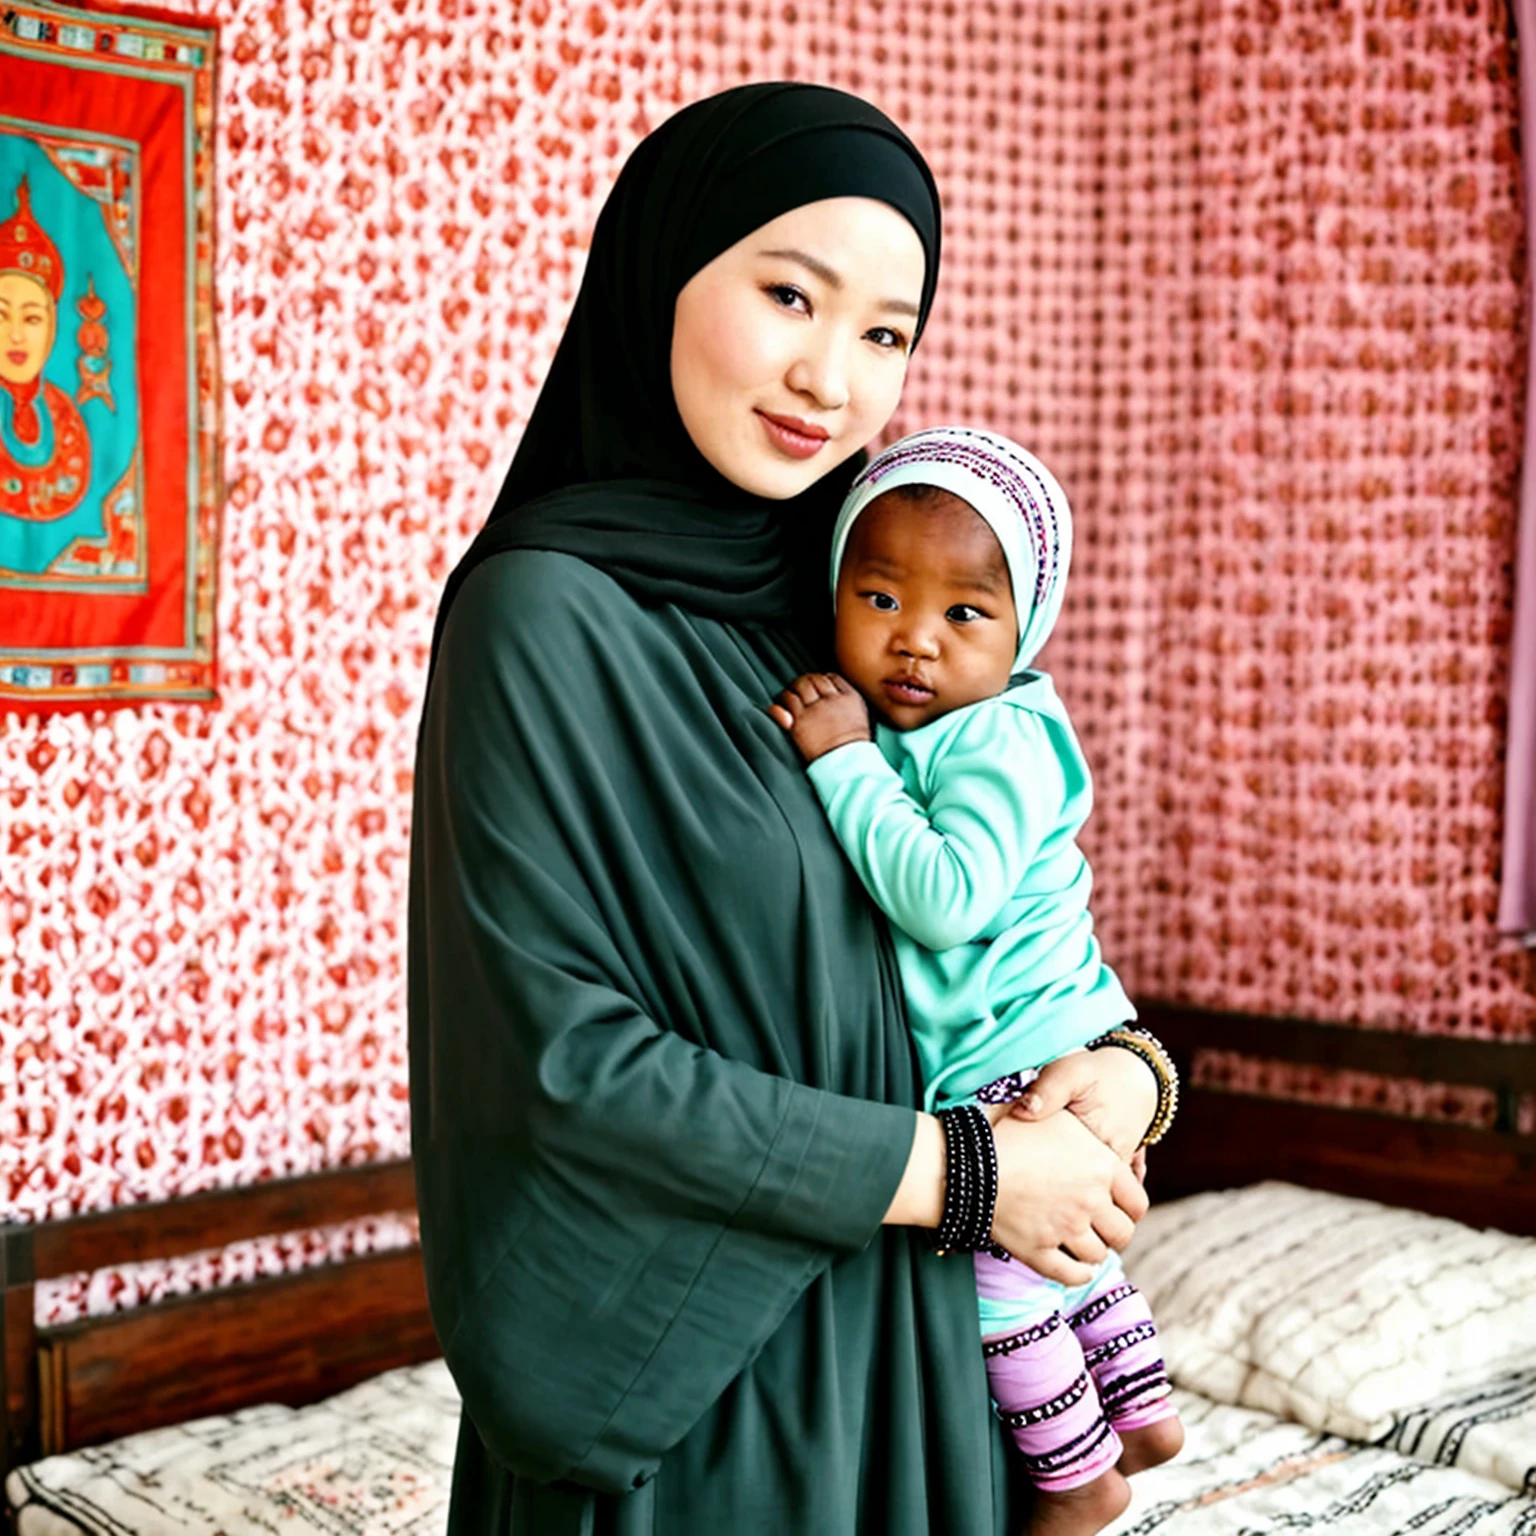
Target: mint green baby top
x=965 y=834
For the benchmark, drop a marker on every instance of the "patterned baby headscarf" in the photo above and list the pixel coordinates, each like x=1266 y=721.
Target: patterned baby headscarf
x=1008 y=486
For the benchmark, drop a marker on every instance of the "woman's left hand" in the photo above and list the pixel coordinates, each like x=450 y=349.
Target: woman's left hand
x=1112 y=1091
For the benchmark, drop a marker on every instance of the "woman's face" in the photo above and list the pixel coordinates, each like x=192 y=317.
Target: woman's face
x=789 y=350
x=26 y=327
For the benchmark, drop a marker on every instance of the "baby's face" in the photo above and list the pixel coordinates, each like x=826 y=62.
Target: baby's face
x=925 y=615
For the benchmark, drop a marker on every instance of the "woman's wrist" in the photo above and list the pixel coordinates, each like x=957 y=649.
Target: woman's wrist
x=1151 y=1052
x=919 y=1198
x=970 y=1180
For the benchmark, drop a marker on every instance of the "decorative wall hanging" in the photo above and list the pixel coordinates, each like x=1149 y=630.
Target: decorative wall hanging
x=108 y=370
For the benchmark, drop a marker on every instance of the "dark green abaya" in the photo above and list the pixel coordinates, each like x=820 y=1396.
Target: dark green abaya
x=665 y=1099
x=662 y=1089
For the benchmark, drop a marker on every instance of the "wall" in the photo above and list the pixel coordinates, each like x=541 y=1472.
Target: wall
x=1248 y=277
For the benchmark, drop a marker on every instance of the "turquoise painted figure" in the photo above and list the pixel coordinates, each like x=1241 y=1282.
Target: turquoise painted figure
x=70 y=498
x=45 y=450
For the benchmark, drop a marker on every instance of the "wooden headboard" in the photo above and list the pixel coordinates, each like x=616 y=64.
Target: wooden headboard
x=290 y=1338
x=300 y=1337
x=1485 y=1178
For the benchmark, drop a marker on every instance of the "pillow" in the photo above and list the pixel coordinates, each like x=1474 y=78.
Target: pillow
x=1339 y=1313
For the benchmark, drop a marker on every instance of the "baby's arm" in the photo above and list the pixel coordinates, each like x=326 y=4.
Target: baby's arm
x=940 y=872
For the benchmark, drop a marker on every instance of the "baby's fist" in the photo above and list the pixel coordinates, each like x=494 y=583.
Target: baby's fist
x=821 y=711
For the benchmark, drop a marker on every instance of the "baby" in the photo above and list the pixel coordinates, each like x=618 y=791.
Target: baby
x=949 y=561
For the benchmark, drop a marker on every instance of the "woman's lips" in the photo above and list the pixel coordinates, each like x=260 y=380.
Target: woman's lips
x=799 y=439
x=906 y=690
x=16 y=359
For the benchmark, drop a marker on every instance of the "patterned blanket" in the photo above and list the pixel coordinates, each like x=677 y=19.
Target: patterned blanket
x=1247 y=1473
x=375 y=1461
x=1259 y=1292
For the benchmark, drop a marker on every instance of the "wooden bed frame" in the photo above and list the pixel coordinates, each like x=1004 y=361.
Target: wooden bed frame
x=290 y=1338
x=1486 y=1178
x=297 y=1338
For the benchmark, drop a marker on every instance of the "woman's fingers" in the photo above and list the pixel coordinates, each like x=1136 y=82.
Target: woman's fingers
x=1114 y=1227
x=1058 y=1266
x=1064 y=1080
x=1087 y=1247
x=1059 y=1186
x=1128 y=1192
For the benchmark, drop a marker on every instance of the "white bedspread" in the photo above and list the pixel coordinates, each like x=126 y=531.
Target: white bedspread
x=1244 y=1472
x=374 y=1461
x=1265 y=1296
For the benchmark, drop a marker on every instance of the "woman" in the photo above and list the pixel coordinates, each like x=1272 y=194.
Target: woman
x=662 y=1090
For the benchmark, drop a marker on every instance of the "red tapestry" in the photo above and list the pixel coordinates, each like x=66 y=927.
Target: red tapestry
x=108 y=373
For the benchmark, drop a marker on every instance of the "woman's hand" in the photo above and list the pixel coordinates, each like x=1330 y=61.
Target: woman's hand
x=1113 y=1092
x=822 y=711
x=1059 y=1187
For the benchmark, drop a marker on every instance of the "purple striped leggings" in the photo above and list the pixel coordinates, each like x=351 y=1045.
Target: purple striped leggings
x=1065 y=1384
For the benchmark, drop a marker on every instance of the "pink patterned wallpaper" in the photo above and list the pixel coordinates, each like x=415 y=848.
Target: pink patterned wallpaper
x=1251 y=283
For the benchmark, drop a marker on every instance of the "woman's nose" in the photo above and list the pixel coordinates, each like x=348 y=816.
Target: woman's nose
x=822 y=372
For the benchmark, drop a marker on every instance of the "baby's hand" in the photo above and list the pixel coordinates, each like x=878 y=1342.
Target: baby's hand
x=1074 y=1082
x=821 y=711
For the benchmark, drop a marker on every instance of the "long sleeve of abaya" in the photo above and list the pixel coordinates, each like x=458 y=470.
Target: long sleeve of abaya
x=626 y=1174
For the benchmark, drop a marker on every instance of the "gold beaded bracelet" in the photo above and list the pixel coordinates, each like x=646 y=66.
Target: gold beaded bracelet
x=1143 y=1043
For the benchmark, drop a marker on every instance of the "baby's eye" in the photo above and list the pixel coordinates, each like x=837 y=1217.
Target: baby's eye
x=964 y=613
x=887 y=339
x=882 y=601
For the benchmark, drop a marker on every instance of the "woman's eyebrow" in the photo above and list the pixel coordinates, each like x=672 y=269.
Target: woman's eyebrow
x=833 y=280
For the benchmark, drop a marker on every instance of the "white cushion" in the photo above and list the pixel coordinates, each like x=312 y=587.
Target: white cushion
x=1341 y=1314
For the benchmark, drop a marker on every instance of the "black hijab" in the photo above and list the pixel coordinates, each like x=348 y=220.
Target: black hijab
x=606 y=470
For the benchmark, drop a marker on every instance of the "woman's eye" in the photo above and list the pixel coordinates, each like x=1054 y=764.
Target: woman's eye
x=891 y=340
x=964 y=613
x=787 y=296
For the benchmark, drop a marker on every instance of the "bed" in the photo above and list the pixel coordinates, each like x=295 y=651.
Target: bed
x=1347 y=1301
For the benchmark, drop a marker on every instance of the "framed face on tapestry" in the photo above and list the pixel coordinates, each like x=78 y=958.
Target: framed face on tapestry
x=108 y=372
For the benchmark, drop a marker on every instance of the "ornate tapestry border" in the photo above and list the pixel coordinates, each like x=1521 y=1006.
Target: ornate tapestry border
x=106 y=675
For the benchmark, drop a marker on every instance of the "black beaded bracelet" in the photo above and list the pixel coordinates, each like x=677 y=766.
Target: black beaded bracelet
x=970 y=1180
